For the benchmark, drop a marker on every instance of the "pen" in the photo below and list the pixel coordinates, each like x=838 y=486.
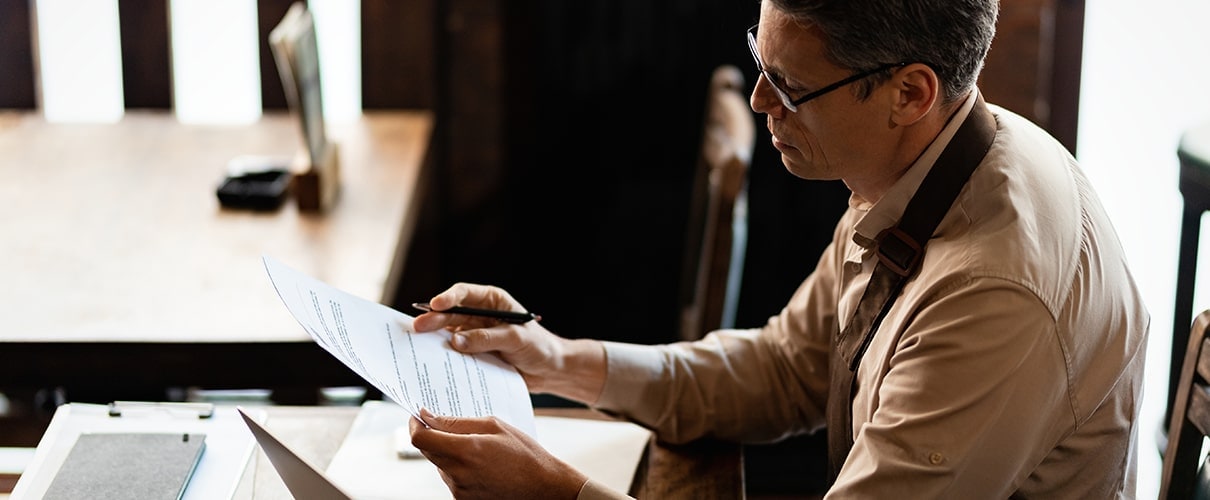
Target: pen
x=505 y=316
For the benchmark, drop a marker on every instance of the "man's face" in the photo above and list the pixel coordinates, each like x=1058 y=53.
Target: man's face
x=833 y=136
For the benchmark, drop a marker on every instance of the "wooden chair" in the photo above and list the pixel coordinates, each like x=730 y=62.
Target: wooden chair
x=1184 y=474
x=1193 y=151
x=716 y=234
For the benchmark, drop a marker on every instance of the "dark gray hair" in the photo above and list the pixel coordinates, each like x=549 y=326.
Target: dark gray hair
x=951 y=36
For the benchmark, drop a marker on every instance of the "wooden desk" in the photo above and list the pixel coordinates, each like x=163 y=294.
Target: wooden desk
x=704 y=469
x=120 y=269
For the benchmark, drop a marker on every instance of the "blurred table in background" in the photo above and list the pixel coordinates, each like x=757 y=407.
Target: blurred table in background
x=122 y=275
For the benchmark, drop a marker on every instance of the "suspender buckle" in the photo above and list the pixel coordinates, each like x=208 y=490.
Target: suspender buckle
x=898 y=251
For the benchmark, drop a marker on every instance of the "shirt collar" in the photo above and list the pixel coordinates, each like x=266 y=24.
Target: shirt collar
x=888 y=210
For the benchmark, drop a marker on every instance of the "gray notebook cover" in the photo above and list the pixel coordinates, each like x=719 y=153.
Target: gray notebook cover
x=133 y=465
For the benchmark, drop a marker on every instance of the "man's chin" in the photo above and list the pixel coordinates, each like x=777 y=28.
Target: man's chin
x=805 y=171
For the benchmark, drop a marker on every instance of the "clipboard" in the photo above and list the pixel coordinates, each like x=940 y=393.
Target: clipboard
x=229 y=445
x=128 y=465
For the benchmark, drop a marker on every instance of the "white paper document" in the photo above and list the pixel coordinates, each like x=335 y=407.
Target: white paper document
x=367 y=465
x=415 y=370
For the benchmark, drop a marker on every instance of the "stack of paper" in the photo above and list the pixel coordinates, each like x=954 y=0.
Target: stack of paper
x=415 y=370
x=367 y=465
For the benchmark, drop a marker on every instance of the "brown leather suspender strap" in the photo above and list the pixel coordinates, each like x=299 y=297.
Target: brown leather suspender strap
x=900 y=249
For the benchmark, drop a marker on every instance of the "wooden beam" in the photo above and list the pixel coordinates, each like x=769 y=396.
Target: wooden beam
x=16 y=56
x=146 y=71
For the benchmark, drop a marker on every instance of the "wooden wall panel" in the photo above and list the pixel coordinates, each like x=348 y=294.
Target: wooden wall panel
x=1034 y=64
x=146 y=71
x=1012 y=76
x=1067 y=64
x=399 y=54
x=16 y=56
x=475 y=103
x=474 y=203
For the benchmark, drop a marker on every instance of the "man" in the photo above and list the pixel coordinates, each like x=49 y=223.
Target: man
x=1010 y=364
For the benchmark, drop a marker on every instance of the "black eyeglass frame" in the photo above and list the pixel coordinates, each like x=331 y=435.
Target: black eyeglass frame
x=792 y=104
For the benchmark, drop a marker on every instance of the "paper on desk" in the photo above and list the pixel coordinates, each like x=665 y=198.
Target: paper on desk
x=414 y=370
x=366 y=465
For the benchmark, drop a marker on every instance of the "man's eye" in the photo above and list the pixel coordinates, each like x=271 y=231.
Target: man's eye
x=781 y=83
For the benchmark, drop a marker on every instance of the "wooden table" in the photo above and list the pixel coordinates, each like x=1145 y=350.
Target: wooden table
x=702 y=469
x=120 y=269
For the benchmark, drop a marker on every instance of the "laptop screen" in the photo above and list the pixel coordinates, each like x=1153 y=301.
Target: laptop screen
x=303 y=480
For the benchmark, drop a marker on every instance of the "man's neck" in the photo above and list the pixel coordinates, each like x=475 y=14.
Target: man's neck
x=912 y=143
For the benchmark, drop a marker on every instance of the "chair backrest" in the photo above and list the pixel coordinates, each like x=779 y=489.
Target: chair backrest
x=1183 y=472
x=716 y=235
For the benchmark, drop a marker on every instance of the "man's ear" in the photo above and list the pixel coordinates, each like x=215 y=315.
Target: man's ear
x=917 y=91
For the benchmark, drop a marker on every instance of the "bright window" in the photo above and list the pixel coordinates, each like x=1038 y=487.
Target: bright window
x=215 y=59
x=79 y=60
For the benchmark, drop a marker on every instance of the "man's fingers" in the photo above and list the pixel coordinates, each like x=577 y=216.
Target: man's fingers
x=499 y=338
x=436 y=320
x=460 y=425
x=452 y=296
x=431 y=321
x=470 y=294
x=463 y=294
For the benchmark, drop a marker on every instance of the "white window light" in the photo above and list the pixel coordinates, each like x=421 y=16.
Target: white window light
x=79 y=60
x=338 y=35
x=215 y=61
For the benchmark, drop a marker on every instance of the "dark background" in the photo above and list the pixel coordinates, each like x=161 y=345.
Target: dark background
x=602 y=130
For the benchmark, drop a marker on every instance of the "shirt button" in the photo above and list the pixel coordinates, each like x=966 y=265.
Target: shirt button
x=936 y=458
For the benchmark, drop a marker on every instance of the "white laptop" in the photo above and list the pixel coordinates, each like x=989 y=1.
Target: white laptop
x=303 y=480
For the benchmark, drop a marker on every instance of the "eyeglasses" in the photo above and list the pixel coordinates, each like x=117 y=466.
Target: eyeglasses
x=777 y=83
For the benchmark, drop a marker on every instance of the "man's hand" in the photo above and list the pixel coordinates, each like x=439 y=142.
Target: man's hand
x=574 y=369
x=488 y=458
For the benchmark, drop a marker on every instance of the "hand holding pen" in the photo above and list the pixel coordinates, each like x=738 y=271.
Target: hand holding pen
x=505 y=316
x=569 y=368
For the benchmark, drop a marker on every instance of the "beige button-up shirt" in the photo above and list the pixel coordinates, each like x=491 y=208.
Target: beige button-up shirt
x=1010 y=365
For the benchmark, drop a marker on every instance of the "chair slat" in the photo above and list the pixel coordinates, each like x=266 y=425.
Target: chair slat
x=1190 y=420
x=1203 y=361
x=1199 y=408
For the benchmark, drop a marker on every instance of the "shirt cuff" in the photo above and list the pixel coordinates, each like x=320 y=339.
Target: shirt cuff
x=593 y=490
x=629 y=367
